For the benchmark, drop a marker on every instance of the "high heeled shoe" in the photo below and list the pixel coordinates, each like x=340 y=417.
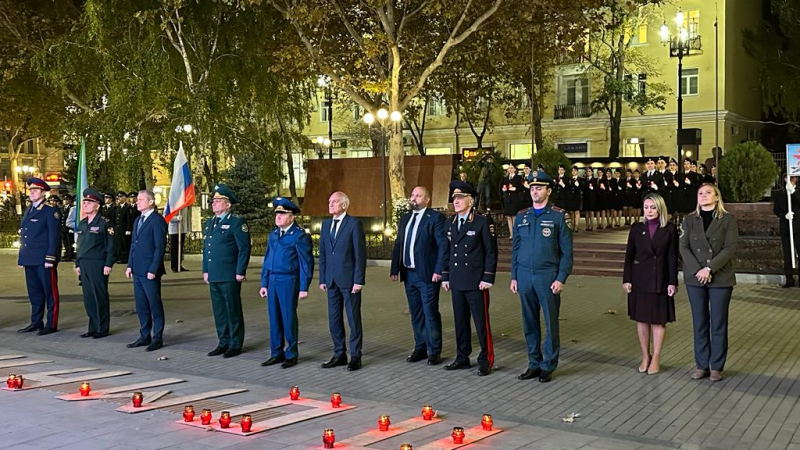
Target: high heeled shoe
x=649 y=358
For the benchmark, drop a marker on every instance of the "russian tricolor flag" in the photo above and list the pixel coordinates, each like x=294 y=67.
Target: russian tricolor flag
x=181 y=194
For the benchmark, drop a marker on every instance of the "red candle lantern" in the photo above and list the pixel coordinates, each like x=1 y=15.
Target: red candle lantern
x=384 y=422
x=85 y=389
x=11 y=381
x=188 y=413
x=406 y=447
x=19 y=380
x=336 y=400
x=205 y=417
x=294 y=393
x=225 y=419
x=246 y=423
x=137 y=399
x=487 y=422
x=458 y=435
x=427 y=412
x=328 y=438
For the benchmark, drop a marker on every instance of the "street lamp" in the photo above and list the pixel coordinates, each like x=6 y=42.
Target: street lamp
x=325 y=82
x=322 y=144
x=25 y=173
x=393 y=119
x=681 y=44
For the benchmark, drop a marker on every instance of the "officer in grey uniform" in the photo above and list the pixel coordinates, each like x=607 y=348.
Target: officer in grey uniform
x=541 y=261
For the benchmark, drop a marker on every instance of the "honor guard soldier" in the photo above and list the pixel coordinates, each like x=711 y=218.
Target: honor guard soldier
x=109 y=208
x=469 y=271
x=39 y=252
x=226 y=252
x=541 y=261
x=121 y=228
x=93 y=263
x=285 y=278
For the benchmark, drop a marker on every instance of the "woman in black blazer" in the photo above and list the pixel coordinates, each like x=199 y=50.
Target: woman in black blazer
x=708 y=244
x=650 y=278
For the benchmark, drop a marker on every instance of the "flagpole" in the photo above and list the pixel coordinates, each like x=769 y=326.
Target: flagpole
x=180 y=228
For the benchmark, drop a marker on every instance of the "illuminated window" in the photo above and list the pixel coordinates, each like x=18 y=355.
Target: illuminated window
x=691 y=21
x=519 y=151
x=639 y=37
x=634 y=148
x=430 y=151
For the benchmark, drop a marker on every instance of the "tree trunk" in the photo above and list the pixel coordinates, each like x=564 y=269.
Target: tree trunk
x=616 y=116
x=147 y=169
x=396 y=173
x=537 y=105
x=289 y=162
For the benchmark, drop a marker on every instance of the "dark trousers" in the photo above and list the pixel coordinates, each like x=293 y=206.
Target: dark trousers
x=43 y=291
x=423 y=305
x=147 y=294
x=95 y=295
x=484 y=194
x=120 y=247
x=226 y=303
x=68 y=242
x=710 y=322
x=476 y=304
x=282 y=292
x=535 y=294
x=341 y=300
x=174 y=261
x=788 y=272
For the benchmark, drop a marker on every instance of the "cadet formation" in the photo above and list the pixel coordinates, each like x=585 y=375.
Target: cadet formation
x=431 y=253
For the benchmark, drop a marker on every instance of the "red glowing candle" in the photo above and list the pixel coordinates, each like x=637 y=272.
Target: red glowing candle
x=85 y=389
x=328 y=438
x=225 y=419
x=246 y=423
x=11 y=382
x=18 y=382
x=205 y=417
x=427 y=412
x=137 y=399
x=188 y=413
x=384 y=422
x=294 y=393
x=458 y=435
x=336 y=400
x=406 y=447
x=487 y=422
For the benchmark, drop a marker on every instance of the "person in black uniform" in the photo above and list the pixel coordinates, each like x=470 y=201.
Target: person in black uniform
x=590 y=199
x=618 y=189
x=673 y=187
x=132 y=217
x=67 y=231
x=638 y=187
x=652 y=180
x=120 y=228
x=469 y=271
x=109 y=208
x=575 y=185
x=630 y=196
x=560 y=196
x=93 y=263
x=527 y=177
x=781 y=209
x=511 y=188
x=691 y=183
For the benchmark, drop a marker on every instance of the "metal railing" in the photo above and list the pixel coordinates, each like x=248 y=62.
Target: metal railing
x=572 y=111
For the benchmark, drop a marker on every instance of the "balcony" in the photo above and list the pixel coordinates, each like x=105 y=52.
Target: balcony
x=572 y=111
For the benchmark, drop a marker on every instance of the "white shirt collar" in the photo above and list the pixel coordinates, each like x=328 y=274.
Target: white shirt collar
x=340 y=217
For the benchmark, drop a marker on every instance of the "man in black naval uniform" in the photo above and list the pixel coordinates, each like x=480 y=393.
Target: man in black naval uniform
x=781 y=209
x=121 y=228
x=93 y=263
x=109 y=208
x=469 y=271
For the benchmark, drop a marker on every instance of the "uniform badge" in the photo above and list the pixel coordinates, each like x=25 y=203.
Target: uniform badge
x=525 y=219
x=491 y=230
x=56 y=215
x=471 y=233
x=110 y=231
x=225 y=227
x=245 y=228
x=546 y=232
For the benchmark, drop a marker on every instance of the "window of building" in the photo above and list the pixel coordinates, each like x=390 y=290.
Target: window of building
x=639 y=35
x=323 y=111
x=358 y=113
x=690 y=82
x=430 y=151
x=363 y=153
x=691 y=21
x=573 y=97
x=634 y=148
x=638 y=82
x=300 y=174
x=436 y=107
x=520 y=150
x=522 y=99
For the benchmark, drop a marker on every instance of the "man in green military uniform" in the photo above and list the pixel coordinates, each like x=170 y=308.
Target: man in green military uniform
x=226 y=252
x=93 y=263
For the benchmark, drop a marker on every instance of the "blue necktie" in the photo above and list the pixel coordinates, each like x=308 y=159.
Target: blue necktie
x=334 y=228
x=409 y=237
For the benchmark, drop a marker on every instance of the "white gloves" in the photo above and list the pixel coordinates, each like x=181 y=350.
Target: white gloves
x=790 y=188
x=789 y=215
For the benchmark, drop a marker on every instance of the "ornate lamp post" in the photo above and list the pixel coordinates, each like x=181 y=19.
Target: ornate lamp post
x=385 y=120
x=324 y=82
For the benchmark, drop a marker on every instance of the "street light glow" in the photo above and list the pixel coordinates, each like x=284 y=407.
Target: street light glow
x=684 y=35
x=369 y=119
x=322 y=81
x=383 y=114
x=320 y=139
x=396 y=116
x=679 y=19
x=664 y=32
x=326 y=142
x=187 y=128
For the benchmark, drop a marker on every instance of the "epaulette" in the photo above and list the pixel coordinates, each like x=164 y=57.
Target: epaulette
x=557 y=209
x=524 y=211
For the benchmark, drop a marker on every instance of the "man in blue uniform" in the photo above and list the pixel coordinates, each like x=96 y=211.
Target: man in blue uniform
x=146 y=267
x=226 y=253
x=541 y=261
x=93 y=263
x=285 y=277
x=469 y=271
x=39 y=253
x=418 y=259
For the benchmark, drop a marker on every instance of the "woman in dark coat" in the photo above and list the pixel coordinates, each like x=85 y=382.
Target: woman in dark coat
x=590 y=199
x=512 y=191
x=650 y=277
x=618 y=189
x=630 y=197
x=575 y=185
x=708 y=245
x=560 y=194
x=603 y=199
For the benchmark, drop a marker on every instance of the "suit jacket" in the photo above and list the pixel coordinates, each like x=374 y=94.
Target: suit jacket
x=39 y=236
x=148 y=244
x=226 y=248
x=472 y=253
x=712 y=248
x=343 y=260
x=430 y=246
x=780 y=207
x=651 y=264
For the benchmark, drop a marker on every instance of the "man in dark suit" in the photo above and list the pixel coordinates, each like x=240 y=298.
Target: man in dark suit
x=39 y=253
x=469 y=269
x=342 y=271
x=146 y=266
x=418 y=258
x=781 y=209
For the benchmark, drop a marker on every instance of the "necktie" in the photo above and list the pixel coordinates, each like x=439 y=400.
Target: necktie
x=215 y=223
x=139 y=225
x=282 y=233
x=334 y=228
x=460 y=223
x=409 y=238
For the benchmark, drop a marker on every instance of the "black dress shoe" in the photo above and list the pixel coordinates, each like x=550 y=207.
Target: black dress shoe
x=334 y=362
x=529 y=374
x=787 y=285
x=46 y=331
x=88 y=334
x=291 y=362
x=138 y=343
x=545 y=376
x=458 y=365
x=155 y=345
x=232 y=352
x=28 y=329
x=434 y=359
x=274 y=360
x=483 y=371
x=355 y=364
x=218 y=351
x=416 y=356
x=100 y=335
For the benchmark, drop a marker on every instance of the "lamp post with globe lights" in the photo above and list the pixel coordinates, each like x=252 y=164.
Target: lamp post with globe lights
x=321 y=144
x=384 y=119
x=325 y=82
x=25 y=172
